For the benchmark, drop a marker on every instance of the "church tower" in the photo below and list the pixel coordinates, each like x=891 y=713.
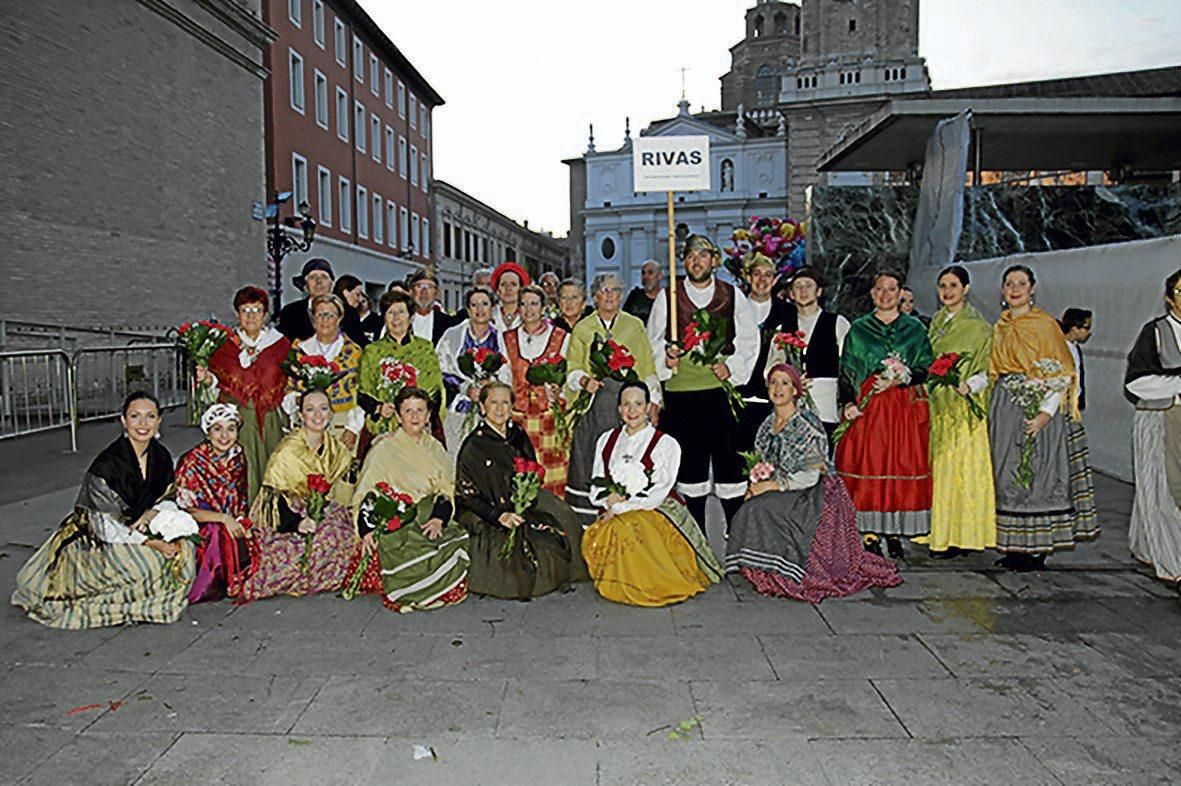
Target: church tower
x=757 y=62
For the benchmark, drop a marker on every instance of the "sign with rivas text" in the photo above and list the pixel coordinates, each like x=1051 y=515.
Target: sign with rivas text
x=671 y=163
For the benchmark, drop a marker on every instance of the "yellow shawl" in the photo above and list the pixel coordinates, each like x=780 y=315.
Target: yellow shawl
x=1019 y=342
x=419 y=468
x=287 y=474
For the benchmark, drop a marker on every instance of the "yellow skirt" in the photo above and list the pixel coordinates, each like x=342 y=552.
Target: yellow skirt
x=963 y=500
x=640 y=559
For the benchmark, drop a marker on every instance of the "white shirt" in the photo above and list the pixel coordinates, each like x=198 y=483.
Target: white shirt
x=1159 y=386
x=503 y=324
x=629 y=449
x=824 y=390
x=532 y=345
x=423 y=325
x=448 y=349
x=746 y=332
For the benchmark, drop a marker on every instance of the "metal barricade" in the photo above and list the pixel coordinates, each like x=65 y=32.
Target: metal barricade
x=36 y=392
x=103 y=376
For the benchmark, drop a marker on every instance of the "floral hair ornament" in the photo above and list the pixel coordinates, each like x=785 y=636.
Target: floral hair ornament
x=218 y=413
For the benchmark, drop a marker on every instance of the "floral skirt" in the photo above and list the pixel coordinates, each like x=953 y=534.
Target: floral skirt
x=275 y=558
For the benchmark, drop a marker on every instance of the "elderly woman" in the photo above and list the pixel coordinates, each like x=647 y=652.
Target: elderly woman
x=644 y=549
x=382 y=358
x=297 y=549
x=103 y=566
x=422 y=565
x=546 y=552
x=247 y=374
x=796 y=534
x=609 y=323
x=571 y=305
x=211 y=487
x=473 y=334
x=333 y=346
x=535 y=338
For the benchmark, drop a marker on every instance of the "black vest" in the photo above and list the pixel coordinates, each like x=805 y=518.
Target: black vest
x=782 y=314
x=822 y=358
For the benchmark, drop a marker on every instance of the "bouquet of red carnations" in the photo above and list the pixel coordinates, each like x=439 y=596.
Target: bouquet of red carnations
x=527 y=479
x=947 y=371
x=550 y=369
x=794 y=345
x=386 y=510
x=703 y=341
x=392 y=376
x=201 y=339
x=311 y=372
x=479 y=365
x=608 y=359
x=317 y=502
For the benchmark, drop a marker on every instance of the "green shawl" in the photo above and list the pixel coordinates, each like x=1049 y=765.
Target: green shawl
x=419 y=353
x=627 y=330
x=968 y=334
x=870 y=341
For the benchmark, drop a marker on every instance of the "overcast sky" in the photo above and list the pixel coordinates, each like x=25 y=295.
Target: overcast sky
x=523 y=78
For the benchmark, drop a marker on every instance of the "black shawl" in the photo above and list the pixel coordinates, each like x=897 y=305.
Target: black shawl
x=1145 y=358
x=484 y=474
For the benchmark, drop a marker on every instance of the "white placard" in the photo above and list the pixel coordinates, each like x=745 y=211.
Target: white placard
x=671 y=163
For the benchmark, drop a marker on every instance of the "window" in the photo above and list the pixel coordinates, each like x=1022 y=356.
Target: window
x=359 y=124
x=338 y=32
x=358 y=60
x=607 y=248
x=413 y=165
x=413 y=111
x=852 y=25
x=424 y=174
x=324 y=195
x=404 y=227
x=375 y=137
x=426 y=124
x=295 y=12
x=389 y=88
x=318 y=22
x=766 y=84
x=426 y=237
x=321 y=99
x=373 y=73
x=391 y=222
x=378 y=222
x=401 y=100
x=344 y=192
x=342 y=114
x=446 y=239
x=414 y=245
x=362 y=212
x=389 y=148
x=295 y=75
x=402 y=165
x=422 y=118
x=299 y=178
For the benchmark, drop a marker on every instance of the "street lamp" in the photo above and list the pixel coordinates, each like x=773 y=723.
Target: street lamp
x=280 y=243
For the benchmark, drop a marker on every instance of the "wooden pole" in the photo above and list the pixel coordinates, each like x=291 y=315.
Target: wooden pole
x=672 y=271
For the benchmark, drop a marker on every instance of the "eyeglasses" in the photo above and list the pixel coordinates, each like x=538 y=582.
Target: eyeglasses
x=252 y=310
x=327 y=315
x=611 y=290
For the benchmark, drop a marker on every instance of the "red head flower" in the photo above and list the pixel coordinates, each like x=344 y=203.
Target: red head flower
x=318 y=484
x=620 y=358
x=393 y=525
x=404 y=498
x=482 y=354
x=520 y=464
x=694 y=336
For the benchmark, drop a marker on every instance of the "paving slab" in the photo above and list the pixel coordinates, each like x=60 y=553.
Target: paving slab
x=850 y=657
x=321 y=612
x=598 y=710
x=108 y=758
x=509 y=656
x=1159 y=617
x=962 y=761
x=1030 y=616
x=27 y=747
x=45 y=695
x=793 y=710
x=675 y=762
x=1145 y=707
x=343 y=653
x=143 y=648
x=549 y=616
x=463 y=761
x=905 y=617
x=1068 y=584
x=386 y=703
x=31 y=644
x=1110 y=760
x=934 y=584
x=668 y=658
x=1139 y=654
x=475 y=615
x=729 y=617
x=1021 y=655
x=941 y=709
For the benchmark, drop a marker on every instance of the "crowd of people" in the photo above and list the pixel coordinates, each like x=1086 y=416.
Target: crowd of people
x=533 y=439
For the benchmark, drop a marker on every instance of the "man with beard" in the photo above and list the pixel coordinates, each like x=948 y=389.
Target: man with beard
x=697 y=408
x=316 y=278
x=772 y=316
x=639 y=300
x=429 y=320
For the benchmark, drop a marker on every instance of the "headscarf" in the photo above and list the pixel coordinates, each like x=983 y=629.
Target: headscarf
x=217 y=413
x=796 y=381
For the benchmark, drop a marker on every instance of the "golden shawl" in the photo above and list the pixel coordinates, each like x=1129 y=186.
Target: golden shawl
x=419 y=468
x=1019 y=342
x=287 y=474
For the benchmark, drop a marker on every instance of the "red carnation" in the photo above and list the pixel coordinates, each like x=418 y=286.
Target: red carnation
x=482 y=354
x=944 y=364
x=385 y=488
x=795 y=340
x=318 y=484
x=393 y=525
x=318 y=361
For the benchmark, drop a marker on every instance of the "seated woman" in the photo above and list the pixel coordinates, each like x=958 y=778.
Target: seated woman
x=424 y=565
x=796 y=536
x=211 y=486
x=99 y=568
x=645 y=549
x=546 y=554
x=291 y=553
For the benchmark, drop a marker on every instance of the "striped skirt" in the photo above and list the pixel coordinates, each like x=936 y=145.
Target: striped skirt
x=1154 y=534
x=1082 y=484
x=99 y=586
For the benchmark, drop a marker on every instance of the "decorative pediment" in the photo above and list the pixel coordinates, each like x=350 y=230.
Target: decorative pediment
x=690 y=126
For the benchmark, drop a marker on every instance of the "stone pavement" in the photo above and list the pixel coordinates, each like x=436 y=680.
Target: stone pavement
x=964 y=674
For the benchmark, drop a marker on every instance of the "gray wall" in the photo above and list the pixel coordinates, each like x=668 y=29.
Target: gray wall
x=132 y=152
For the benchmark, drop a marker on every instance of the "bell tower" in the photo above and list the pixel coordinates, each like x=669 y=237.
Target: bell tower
x=757 y=63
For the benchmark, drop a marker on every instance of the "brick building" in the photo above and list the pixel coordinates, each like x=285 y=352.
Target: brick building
x=127 y=180
x=348 y=130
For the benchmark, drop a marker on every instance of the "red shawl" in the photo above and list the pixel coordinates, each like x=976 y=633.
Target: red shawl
x=263 y=384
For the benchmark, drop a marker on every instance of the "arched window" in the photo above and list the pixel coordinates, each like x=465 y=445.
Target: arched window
x=758 y=26
x=608 y=248
x=780 y=24
x=766 y=84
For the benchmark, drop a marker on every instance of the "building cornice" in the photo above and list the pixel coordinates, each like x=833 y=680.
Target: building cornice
x=255 y=31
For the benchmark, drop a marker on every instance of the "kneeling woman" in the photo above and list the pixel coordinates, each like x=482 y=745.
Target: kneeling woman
x=100 y=568
x=645 y=549
x=422 y=565
x=211 y=484
x=292 y=553
x=796 y=535
x=546 y=553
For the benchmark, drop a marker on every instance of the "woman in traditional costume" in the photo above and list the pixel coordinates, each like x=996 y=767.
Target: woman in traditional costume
x=1034 y=516
x=292 y=553
x=333 y=346
x=535 y=338
x=545 y=554
x=883 y=458
x=963 y=499
x=211 y=487
x=1153 y=382
x=609 y=323
x=246 y=372
x=398 y=345
x=796 y=535
x=645 y=549
x=422 y=565
x=463 y=392
x=100 y=568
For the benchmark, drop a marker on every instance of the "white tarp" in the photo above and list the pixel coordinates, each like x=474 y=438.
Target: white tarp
x=1123 y=284
x=940 y=213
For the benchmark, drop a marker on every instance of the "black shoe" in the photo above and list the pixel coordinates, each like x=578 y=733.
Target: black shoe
x=951 y=553
x=894 y=546
x=874 y=547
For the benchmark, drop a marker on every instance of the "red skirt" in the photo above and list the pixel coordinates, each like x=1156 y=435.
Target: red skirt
x=884 y=458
